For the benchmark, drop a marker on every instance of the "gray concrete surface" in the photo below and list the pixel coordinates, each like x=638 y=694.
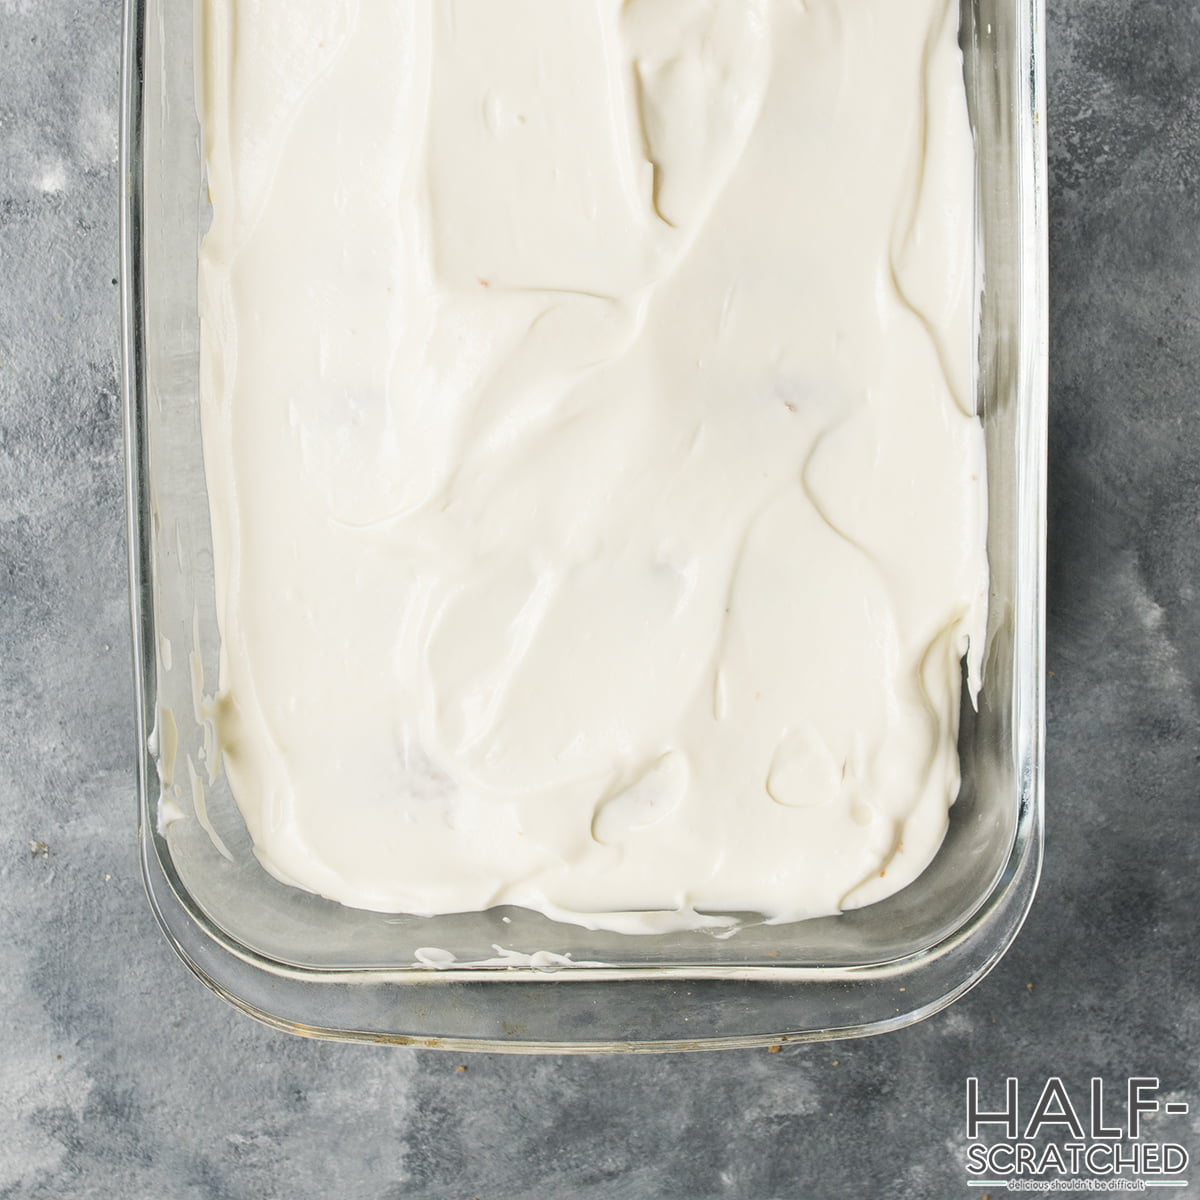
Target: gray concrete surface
x=120 y=1076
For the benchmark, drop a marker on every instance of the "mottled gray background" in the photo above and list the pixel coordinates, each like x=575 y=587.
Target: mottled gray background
x=120 y=1076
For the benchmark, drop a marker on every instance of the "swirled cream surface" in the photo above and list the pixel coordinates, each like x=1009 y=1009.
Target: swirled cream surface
x=597 y=495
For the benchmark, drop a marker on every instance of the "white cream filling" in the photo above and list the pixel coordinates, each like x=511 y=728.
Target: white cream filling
x=597 y=496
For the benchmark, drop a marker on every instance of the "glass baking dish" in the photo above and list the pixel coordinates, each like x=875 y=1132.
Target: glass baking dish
x=510 y=979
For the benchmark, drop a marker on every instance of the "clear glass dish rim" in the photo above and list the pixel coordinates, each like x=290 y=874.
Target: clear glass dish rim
x=229 y=967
